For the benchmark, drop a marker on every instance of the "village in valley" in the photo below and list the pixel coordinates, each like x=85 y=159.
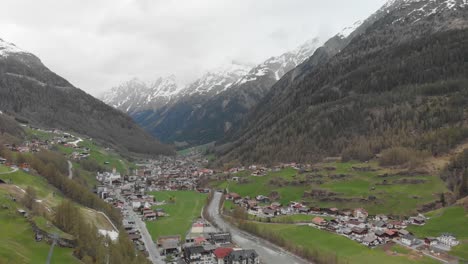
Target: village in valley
x=137 y=195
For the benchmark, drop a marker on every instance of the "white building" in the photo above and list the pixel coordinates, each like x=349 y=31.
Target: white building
x=448 y=240
x=409 y=240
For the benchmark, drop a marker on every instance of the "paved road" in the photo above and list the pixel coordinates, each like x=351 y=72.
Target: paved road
x=268 y=252
x=153 y=252
x=70 y=171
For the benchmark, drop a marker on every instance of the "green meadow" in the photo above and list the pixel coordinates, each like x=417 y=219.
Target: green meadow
x=355 y=189
x=185 y=208
x=18 y=243
x=325 y=242
x=447 y=220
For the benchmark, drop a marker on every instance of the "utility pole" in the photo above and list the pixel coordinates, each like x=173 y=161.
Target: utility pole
x=54 y=241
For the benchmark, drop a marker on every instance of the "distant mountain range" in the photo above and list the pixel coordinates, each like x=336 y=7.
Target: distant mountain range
x=206 y=109
x=31 y=93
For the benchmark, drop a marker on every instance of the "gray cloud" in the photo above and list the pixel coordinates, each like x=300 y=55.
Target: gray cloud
x=98 y=44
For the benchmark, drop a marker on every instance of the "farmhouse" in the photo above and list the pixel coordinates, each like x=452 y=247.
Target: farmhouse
x=233 y=196
x=360 y=213
x=418 y=220
x=169 y=244
x=319 y=221
x=409 y=240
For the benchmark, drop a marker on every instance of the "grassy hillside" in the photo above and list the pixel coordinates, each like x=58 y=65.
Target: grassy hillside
x=100 y=159
x=47 y=194
x=452 y=220
x=398 y=193
x=186 y=207
x=17 y=239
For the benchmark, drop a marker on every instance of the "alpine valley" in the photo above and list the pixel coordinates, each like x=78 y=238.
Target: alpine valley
x=205 y=110
x=349 y=149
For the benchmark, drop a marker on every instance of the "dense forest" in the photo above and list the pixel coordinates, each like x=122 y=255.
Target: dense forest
x=456 y=174
x=397 y=85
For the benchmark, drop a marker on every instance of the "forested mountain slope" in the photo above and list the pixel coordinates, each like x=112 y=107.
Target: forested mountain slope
x=32 y=93
x=401 y=81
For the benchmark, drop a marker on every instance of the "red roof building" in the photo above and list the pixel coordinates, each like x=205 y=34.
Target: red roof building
x=221 y=253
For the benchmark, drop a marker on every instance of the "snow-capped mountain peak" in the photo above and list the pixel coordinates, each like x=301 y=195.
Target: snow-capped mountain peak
x=135 y=94
x=278 y=66
x=7 y=48
x=217 y=80
x=420 y=9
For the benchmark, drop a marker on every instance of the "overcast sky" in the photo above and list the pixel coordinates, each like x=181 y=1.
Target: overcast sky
x=97 y=44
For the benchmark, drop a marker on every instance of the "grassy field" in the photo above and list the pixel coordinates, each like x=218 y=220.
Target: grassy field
x=45 y=192
x=353 y=190
x=4 y=169
x=17 y=240
x=452 y=220
x=103 y=156
x=186 y=208
x=41 y=135
x=49 y=195
x=228 y=205
x=98 y=153
x=325 y=242
x=45 y=225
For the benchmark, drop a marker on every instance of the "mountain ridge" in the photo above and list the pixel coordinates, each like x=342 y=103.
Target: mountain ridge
x=312 y=113
x=30 y=92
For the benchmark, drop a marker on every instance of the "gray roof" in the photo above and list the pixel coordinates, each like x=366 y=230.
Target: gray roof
x=408 y=236
x=243 y=254
x=194 y=250
x=170 y=244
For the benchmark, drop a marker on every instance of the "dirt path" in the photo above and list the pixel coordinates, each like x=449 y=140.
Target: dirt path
x=70 y=170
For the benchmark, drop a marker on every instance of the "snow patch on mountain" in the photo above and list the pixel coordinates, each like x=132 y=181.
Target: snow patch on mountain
x=7 y=48
x=348 y=30
x=280 y=65
x=135 y=94
x=217 y=80
x=422 y=8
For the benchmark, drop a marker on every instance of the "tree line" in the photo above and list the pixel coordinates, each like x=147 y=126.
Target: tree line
x=91 y=246
x=53 y=167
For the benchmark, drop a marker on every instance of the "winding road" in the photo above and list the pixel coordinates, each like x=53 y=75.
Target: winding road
x=269 y=253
